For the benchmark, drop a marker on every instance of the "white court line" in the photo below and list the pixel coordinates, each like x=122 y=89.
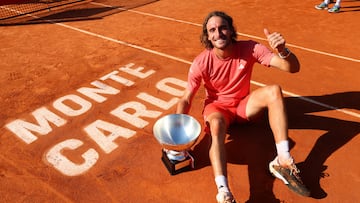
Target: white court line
x=241 y=34
x=189 y=63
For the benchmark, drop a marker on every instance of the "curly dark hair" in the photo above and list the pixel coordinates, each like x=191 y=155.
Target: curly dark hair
x=204 y=35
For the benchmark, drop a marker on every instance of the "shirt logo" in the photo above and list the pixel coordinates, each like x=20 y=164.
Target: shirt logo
x=241 y=66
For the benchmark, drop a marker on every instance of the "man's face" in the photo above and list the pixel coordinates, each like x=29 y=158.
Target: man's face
x=219 y=32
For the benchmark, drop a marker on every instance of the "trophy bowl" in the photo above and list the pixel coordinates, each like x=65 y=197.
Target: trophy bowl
x=177 y=132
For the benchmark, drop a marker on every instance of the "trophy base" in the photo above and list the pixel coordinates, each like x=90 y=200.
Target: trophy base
x=175 y=167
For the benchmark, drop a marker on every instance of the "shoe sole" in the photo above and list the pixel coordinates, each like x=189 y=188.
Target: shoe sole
x=294 y=185
x=277 y=174
x=318 y=8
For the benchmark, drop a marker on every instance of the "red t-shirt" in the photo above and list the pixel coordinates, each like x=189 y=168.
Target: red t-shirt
x=227 y=80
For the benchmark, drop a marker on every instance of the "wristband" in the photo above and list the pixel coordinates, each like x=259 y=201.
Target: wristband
x=287 y=51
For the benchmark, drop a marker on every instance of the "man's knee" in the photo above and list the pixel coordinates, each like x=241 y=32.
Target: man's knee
x=216 y=125
x=218 y=122
x=274 y=92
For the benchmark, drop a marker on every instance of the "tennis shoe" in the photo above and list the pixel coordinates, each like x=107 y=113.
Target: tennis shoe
x=334 y=9
x=321 y=6
x=225 y=197
x=290 y=175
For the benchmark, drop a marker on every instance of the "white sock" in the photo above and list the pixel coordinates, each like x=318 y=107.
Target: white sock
x=338 y=3
x=282 y=149
x=221 y=183
x=327 y=1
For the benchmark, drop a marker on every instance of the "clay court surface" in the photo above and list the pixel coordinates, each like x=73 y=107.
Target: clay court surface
x=60 y=141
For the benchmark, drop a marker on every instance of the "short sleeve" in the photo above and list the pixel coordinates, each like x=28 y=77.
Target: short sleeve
x=194 y=77
x=262 y=54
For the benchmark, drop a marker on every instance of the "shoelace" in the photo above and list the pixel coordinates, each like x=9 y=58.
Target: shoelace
x=294 y=171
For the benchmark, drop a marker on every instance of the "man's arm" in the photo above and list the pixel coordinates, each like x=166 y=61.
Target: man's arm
x=290 y=63
x=184 y=103
x=285 y=60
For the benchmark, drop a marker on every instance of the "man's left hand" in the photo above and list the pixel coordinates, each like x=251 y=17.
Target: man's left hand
x=276 y=40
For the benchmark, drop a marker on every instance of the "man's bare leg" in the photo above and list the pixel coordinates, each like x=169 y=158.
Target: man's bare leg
x=217 y=154
x=270 y=97
x=283 y=166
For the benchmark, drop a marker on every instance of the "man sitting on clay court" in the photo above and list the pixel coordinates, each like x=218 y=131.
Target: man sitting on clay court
x=224 y=68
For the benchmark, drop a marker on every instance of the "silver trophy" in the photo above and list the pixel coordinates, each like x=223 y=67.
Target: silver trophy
x=177 y=133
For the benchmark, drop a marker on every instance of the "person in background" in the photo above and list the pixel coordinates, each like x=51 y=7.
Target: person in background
x=224 y=68
x=325 y=5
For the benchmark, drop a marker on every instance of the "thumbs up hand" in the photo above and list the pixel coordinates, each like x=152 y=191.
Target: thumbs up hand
x=276 y=40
